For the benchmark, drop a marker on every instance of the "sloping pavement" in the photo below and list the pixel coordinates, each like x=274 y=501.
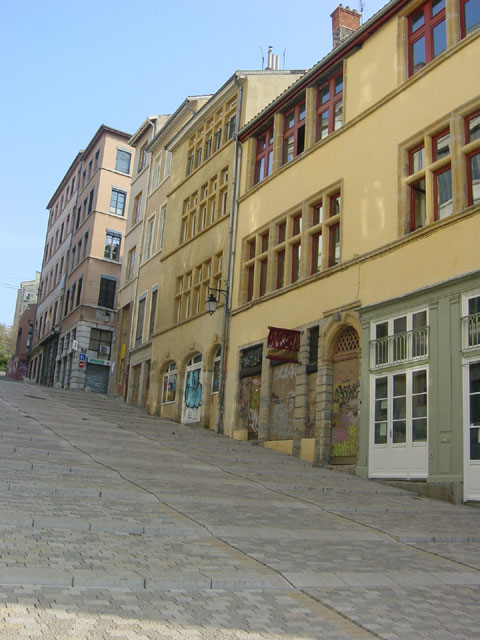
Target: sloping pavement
x=115 y=524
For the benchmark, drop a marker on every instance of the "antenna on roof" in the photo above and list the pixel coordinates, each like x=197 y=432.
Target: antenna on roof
x=362 y=7
x=263 y=58
x=284 y=55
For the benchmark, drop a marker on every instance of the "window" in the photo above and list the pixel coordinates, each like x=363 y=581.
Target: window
x=90 y=201
x=216 y=370
x=106 y=296
x=230 y=127
x=149 y=238
x=90 y=169
x=131 y=262
x=296 y=255
x=157 y=161
x=471 y=322
x=472 y=137
x=294 y=132
x=122 y=162
x=161 y=227
x=312 y=364
x=263 y=278
x=153 y=310
x=117 y=202
x=85 y=244
x=72 y=299
x=137 y=208
x=427 y=34
x=469 y=16
x=167 y=168
x=113 y=240
x=79 y=291
x=169 y=390
x=400 y=411
x=140 y=321
x=142 y=158
x=434 y=177
x=404 y=338
x=330 y=106
x=100 y=342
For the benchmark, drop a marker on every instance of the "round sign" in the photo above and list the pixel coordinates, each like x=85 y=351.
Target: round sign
x=81 y=364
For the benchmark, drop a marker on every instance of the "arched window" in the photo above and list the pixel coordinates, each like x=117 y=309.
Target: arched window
x=216 y=370
x=169 y=391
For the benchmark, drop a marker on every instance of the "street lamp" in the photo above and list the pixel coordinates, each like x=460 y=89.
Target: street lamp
x=211 y=302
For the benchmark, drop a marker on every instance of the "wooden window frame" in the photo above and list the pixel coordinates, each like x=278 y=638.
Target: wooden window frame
x=329 y=105
x=264 y=152
x=426 y=31
x=463 y=27
x=468 y=158
x=298 y=123
x=443 y=169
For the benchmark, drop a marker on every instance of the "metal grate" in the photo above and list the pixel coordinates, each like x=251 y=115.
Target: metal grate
x=347 y=341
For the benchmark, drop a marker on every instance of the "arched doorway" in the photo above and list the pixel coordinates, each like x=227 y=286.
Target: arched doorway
x=192 y=396
x=345 y=398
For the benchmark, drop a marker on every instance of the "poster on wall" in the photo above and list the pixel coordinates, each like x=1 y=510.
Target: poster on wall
x=283 y=344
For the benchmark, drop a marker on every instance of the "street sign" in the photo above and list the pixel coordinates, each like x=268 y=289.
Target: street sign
x=82 y=357
x=81 y=364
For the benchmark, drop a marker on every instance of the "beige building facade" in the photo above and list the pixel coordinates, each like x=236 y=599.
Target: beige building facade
x=87 y=336
x=357 y=224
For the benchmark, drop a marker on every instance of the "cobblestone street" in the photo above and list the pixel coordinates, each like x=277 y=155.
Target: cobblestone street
x=118 y=525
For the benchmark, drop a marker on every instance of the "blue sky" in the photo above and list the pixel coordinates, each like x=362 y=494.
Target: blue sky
x=69 y=67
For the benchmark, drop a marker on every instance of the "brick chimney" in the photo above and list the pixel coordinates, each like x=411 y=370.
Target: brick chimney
x=344 y=22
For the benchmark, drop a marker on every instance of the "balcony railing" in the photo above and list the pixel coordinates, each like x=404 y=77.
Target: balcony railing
x=471 y=331
x=400 y=347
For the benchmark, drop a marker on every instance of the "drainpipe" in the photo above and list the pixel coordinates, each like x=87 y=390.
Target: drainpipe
x=232 y=237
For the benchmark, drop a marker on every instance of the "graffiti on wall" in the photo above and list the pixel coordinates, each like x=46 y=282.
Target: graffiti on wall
x=193 y=396
x=282 y=405
x=249 y=405
x=345 y=409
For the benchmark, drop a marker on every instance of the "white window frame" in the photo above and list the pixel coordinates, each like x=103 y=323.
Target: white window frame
x=162 y=216
x=156 y=165
x=149 y=235
x=474 y=293
x=409 y=357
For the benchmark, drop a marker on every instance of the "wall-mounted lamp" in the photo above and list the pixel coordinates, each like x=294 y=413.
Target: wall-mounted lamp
x=107 y=316
x=211 y=302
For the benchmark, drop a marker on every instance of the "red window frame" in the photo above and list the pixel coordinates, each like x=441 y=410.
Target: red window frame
x=282 y=231
x=265 y=242
x=295 y=130
x=316 y=243
x=463 y=26
x=475 y=114
x=329 y=105
x=412 y=224
x=411 y=153
x=264 y=152
x=447 y=167
x=317 y=216
x=262 y=288
x=297 y=225
x=435 y=139
x=426 y=30
x=332 y=244
x=296 y=261
x=251 y=249
x=336 y=197
x=251 y=273
x=280 y=269
x=469 y=175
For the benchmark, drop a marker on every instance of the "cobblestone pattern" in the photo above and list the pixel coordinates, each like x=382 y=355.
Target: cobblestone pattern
x=114 y=524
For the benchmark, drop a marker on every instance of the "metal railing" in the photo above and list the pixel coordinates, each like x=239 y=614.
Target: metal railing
x=400 y=347
x=471 y=330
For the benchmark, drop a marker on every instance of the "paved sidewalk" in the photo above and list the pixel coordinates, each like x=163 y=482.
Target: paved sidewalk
x=118 y=525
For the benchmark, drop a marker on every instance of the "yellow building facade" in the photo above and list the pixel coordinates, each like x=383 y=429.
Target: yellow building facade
x=357 y=226
x=194 y=261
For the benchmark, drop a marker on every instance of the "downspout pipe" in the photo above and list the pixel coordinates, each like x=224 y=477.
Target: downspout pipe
x=232 y=238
